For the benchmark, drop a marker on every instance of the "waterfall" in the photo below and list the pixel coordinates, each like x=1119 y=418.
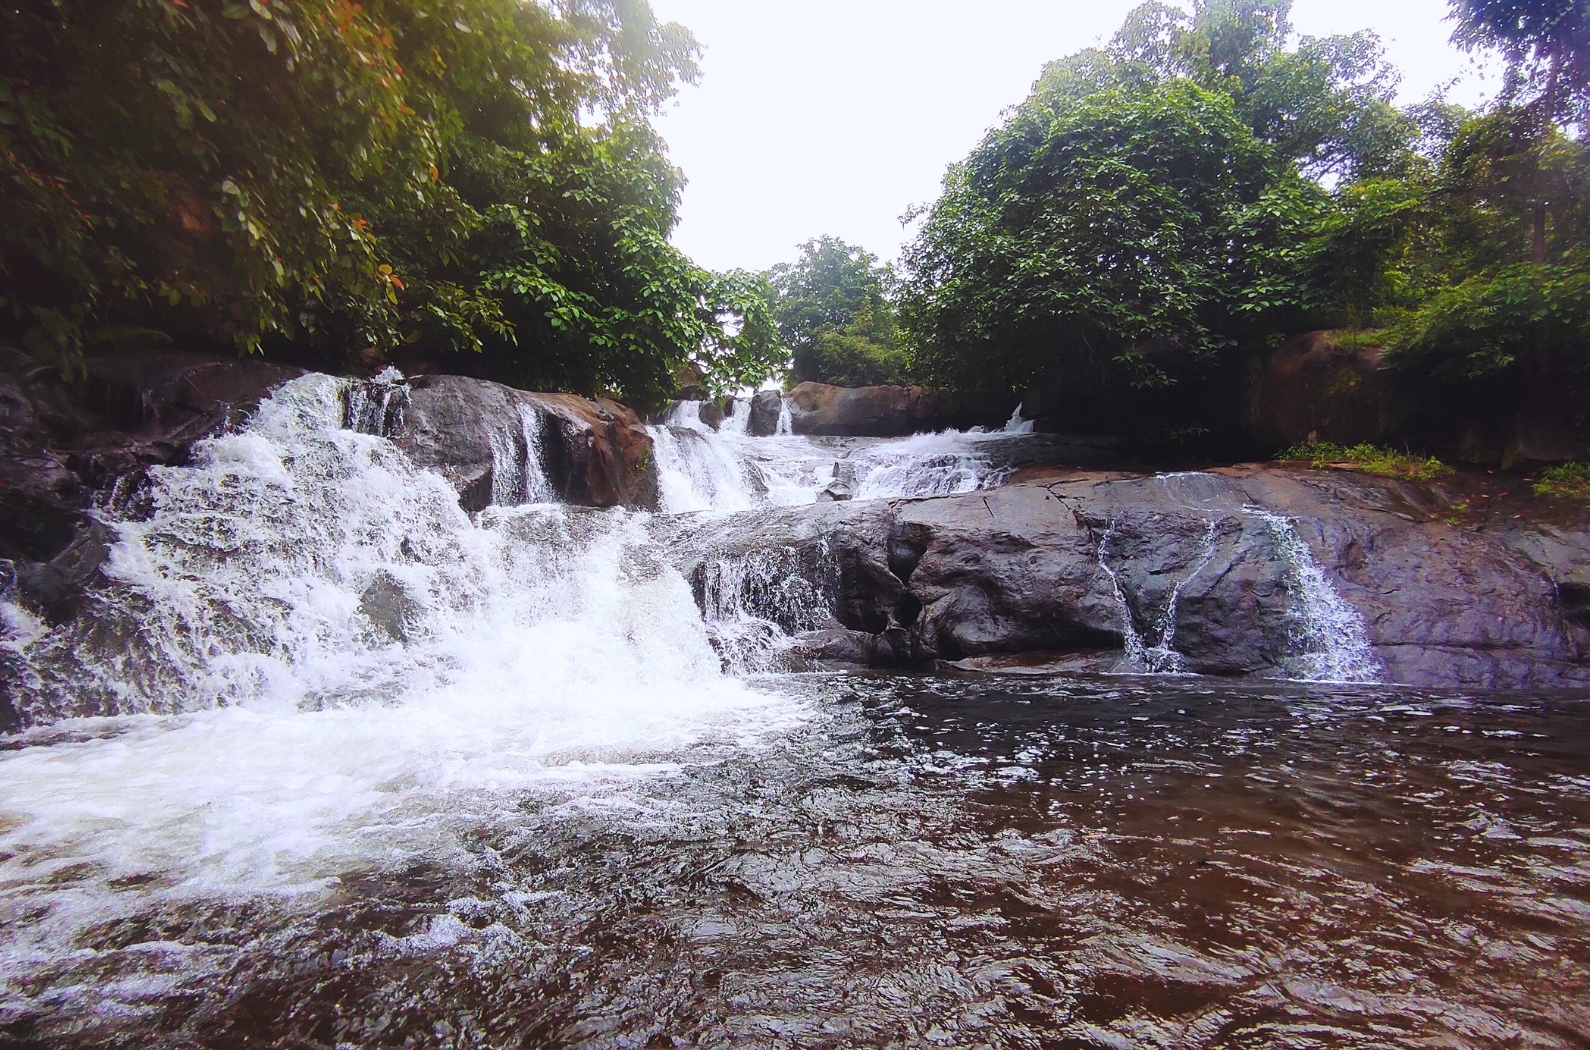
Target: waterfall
x=537 y=487
x=507 y=465
x=1131 y=638
x=1017 y=425
x=786 y=421
x=738 y=419
x=1330 y=641
x=296 y=564
x=375 y=405
x=697 y=470
x=753 y=602
x=361 y=671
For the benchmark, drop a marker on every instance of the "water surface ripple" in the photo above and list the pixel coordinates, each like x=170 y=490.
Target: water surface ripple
x=937 y=861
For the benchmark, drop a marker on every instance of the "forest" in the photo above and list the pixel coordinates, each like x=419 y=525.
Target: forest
x=475 y=186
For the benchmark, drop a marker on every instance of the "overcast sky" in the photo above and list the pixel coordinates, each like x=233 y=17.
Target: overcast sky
x=836 y=116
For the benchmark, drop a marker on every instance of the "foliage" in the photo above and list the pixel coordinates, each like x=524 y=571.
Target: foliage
x=1154 y=205
x=1546 y=44
x=1134 y=231
x=1370 y=459
x=1568 y=481
x=317 y=177
x=1485 y=324
x=835 y=312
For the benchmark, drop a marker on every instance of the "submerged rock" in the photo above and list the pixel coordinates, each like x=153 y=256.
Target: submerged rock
x=1240 y=572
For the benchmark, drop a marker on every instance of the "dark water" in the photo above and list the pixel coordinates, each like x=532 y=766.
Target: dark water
x=938 y=862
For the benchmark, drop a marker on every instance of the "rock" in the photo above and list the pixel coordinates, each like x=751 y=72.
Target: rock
x=711 y=414
x=388 y=607
x=766 y=407
x=836 y=491
x=1248 y=571
x=478 y=434
x=1312 y=389
x=891 y=411
x=59 y=587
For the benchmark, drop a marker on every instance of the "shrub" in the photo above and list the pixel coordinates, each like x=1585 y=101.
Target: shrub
x=1569 y=481
x=1371 y=459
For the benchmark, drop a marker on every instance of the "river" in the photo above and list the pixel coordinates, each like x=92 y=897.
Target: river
x=336 y=764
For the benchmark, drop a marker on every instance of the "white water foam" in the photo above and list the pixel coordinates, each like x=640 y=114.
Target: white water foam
x=320 y=663
x=726 y=470
x=1331 y=643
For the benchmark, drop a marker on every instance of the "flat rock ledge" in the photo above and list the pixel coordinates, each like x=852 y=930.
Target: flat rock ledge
x=1247 y=571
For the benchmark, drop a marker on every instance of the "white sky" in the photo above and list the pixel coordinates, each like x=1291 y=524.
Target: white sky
x=836 y=116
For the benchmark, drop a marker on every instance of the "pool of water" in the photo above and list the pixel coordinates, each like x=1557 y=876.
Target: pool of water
x=926 y=861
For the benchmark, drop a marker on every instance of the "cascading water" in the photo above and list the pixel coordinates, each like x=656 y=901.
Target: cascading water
x=702 y=469
x=755 y=602
x=1330 y=641
x=352 y=652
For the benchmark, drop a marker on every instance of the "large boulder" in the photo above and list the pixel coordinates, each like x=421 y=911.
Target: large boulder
x=496 y=444
x=766 y=407
x=1240 y=572
x=892 y=411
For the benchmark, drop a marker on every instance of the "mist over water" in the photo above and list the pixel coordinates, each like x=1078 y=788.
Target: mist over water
x=335 y=763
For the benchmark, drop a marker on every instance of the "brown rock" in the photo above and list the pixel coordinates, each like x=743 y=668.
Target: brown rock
x=1205 y=566
x=471 y=431
x=1311 y=389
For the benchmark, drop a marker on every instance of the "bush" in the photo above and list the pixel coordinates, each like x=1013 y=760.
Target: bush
x=1370 y=459
x=1569 y=481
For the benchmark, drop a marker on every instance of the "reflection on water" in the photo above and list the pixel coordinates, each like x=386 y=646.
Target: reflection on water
x=940 y=862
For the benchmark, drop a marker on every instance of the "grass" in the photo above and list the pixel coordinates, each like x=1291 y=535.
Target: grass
x=1370 y=459
x=1569 y=481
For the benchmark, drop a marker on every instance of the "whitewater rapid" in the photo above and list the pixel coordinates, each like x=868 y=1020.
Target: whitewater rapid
x=315 y=661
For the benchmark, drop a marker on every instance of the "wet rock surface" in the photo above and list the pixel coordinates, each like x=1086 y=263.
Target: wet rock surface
x=479 y=435
x=1245 y=571
x=64 y=444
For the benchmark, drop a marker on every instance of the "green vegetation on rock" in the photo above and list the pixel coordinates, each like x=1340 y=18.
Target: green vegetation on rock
x=1569 y=481
x=1370 y=459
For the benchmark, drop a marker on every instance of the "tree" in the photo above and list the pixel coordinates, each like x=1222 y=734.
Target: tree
x=323 y=178
x=1546 y=44
x=1158 y=203
x=1134 y=233
x=835 y=312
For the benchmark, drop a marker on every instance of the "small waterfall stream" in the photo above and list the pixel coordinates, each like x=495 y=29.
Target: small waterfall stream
x=1331 y=642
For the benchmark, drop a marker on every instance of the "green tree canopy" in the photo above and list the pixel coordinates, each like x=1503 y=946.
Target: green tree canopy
x=835 y=312
x=322 y=177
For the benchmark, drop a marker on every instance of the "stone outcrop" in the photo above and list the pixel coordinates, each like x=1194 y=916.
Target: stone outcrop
x=1215 y=573
x=1312 y=388
x=595 y=453
x=892 y=411
x=766 y=407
